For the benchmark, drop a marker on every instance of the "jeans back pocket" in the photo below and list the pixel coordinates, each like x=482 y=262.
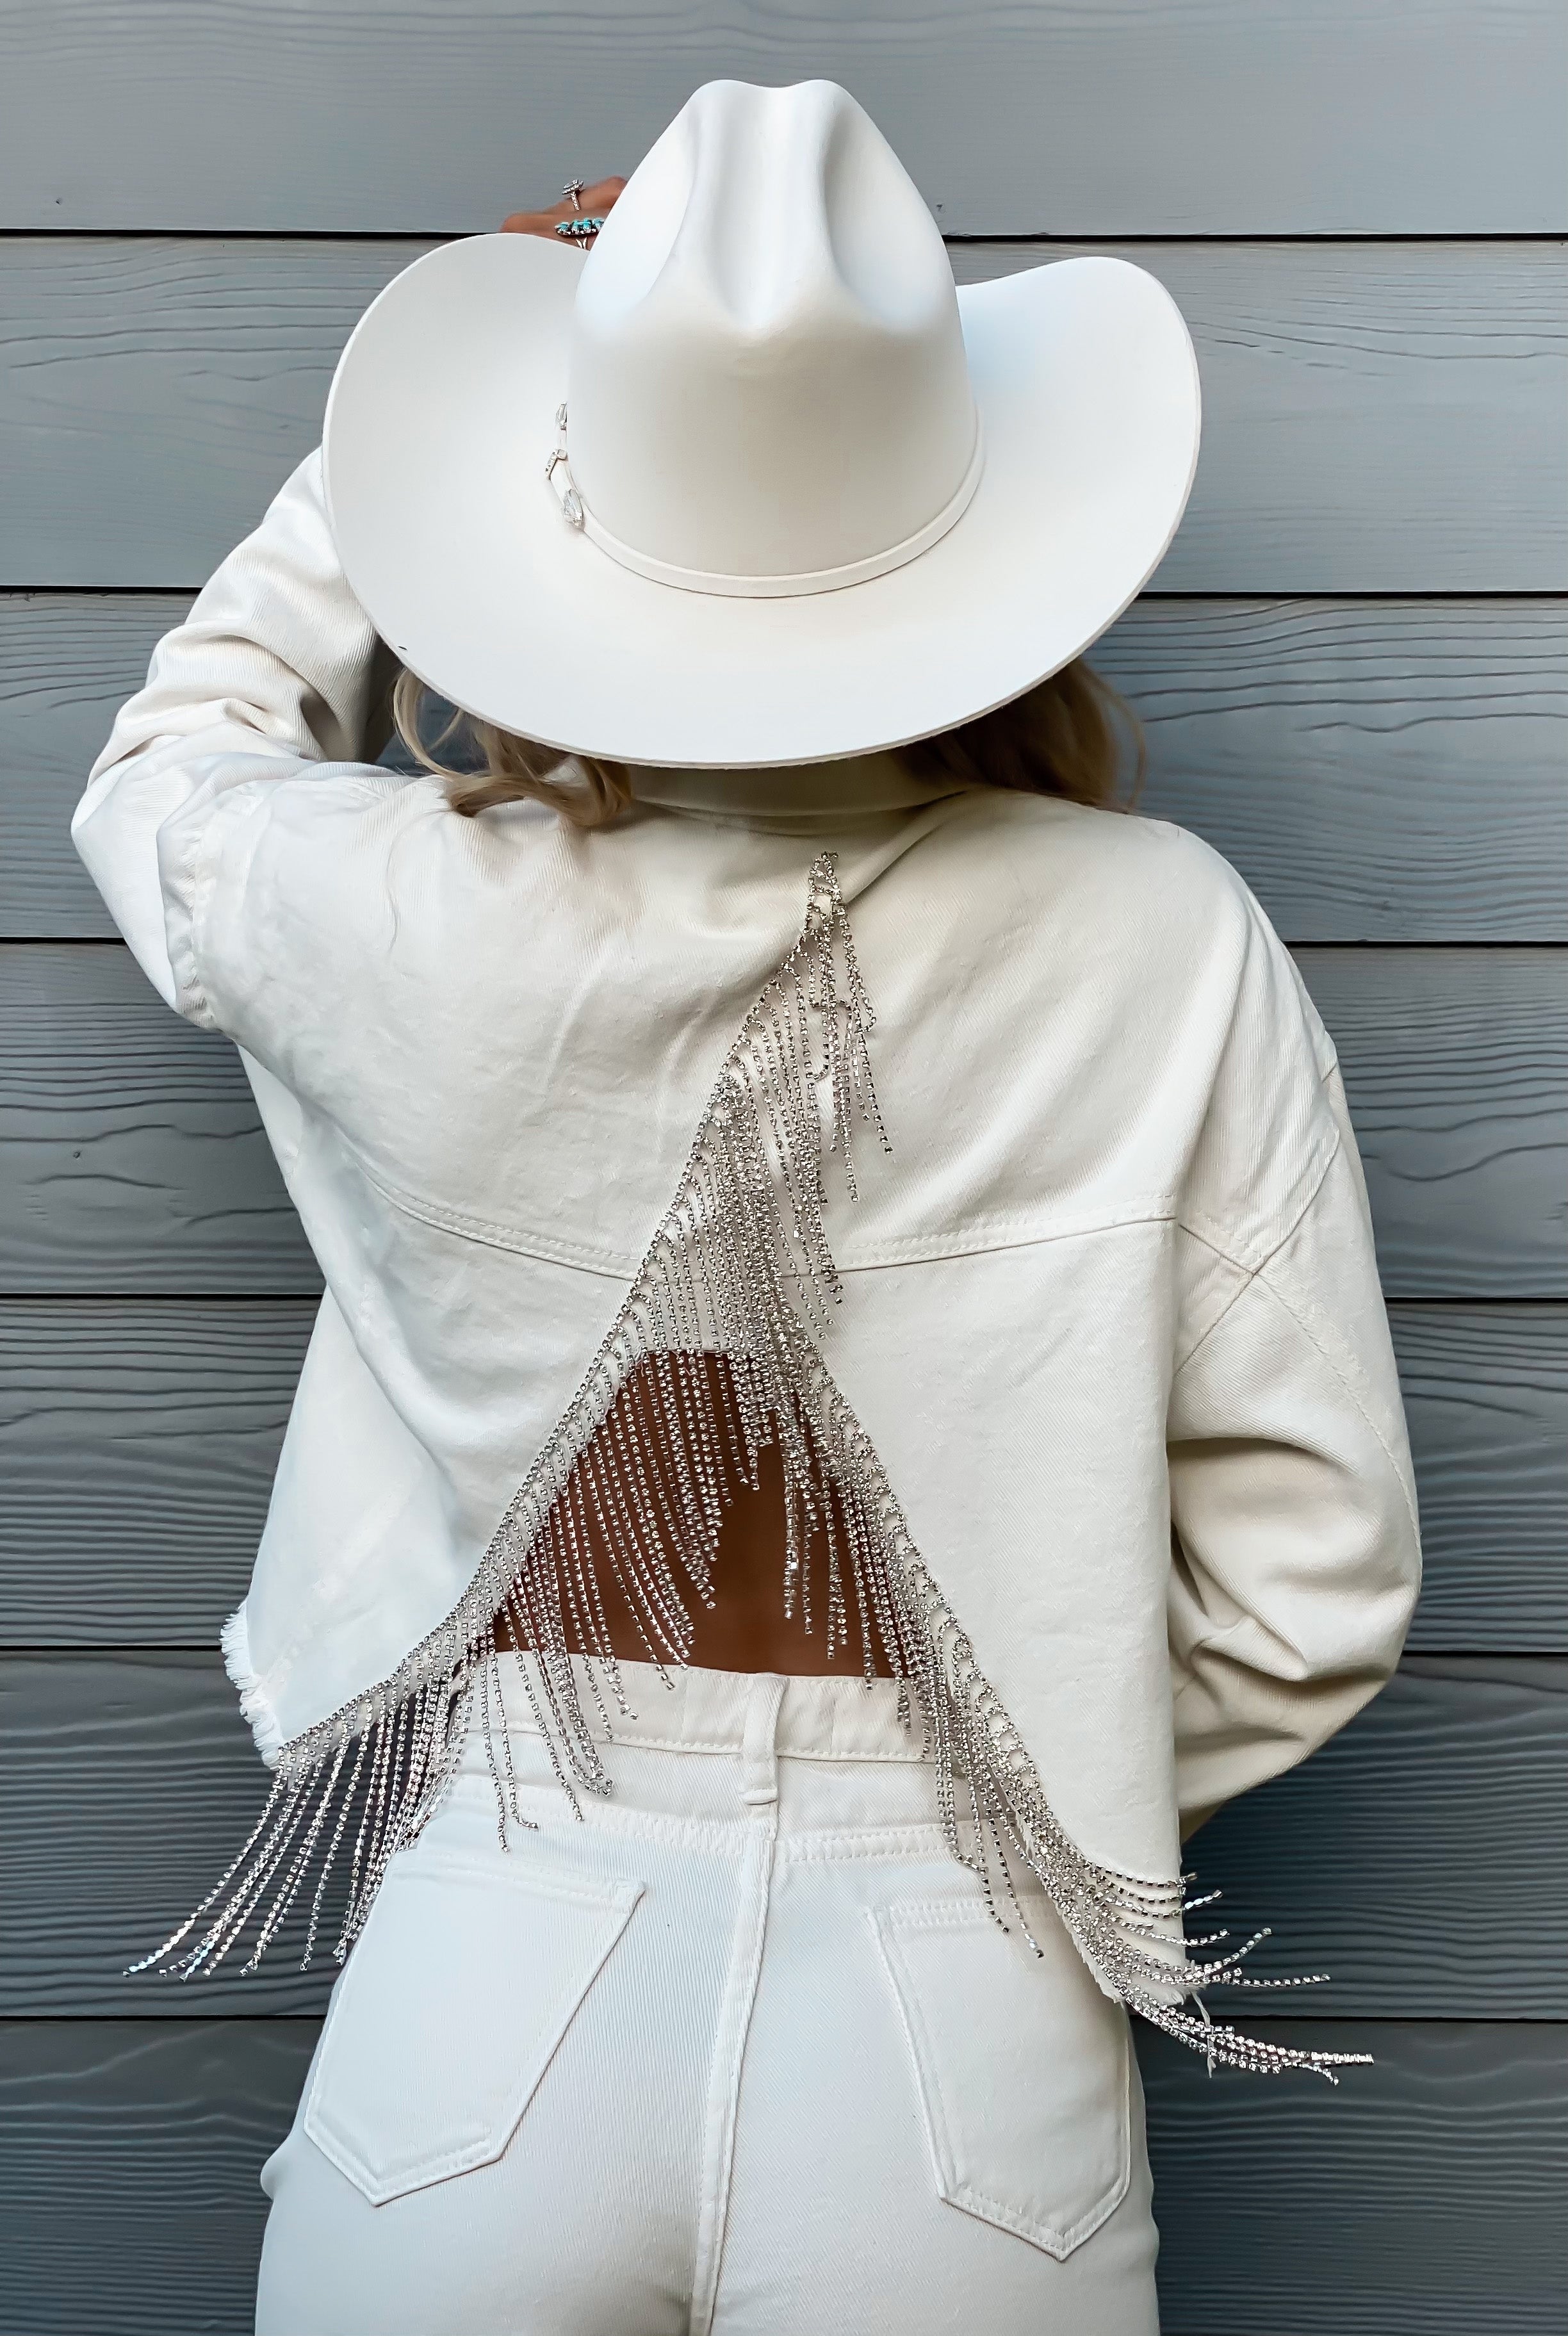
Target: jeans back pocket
x=467 y=1977
x=1022 y=2065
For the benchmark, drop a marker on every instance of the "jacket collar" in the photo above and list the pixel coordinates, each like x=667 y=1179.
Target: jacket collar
x=802 y=799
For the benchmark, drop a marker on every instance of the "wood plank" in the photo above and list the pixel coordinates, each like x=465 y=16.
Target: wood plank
x=1382 y=418
x=68 y=662
x=1456 y=1064
x=1486 y=1401
x=138 y=1439
x=131 y=1783
x=1422 y=2197
x=1376 y=418
x=1350 y=758
x=164 y=390
x=131 y=1153
x=1419 y=1857
x=129 y=2202
x=1384 y=771
x=132 y=1159
x=1235 y=116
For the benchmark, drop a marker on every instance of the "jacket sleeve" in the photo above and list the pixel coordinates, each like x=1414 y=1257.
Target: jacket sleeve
x=1296 y=1552
x=274 y=670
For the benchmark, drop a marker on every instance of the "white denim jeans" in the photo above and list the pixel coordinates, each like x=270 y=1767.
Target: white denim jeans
x=742 y=2050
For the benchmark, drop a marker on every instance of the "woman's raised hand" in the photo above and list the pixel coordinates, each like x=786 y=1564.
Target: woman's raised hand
x=592 y=203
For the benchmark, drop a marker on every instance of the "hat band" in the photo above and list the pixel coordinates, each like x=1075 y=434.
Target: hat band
x=779 y=588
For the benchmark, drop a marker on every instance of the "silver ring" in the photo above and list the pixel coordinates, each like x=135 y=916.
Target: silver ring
x=577 y=230
x=573 y=191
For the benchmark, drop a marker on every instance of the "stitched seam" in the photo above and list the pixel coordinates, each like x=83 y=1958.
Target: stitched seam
x=1280 y=1298
x=1188 y=1226
x=1057 y=2241
x=1213 y=1639
x=731 y=1746
x=618 y=1897
x=199 y=887
x=1251 y=1272
x=1000 y=1234
x=723 y=1833
x=495 y=1234
x=820 y=1846
x=874 y=1847
x=481 y=2146
x=941 y=1914
x=985 y=1239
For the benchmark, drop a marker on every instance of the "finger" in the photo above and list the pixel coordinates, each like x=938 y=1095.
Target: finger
x=597 y=202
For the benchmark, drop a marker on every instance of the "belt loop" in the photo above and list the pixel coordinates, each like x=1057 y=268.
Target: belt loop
x=759 y=1754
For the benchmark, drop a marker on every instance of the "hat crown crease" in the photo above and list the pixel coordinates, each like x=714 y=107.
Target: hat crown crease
x=766 y=374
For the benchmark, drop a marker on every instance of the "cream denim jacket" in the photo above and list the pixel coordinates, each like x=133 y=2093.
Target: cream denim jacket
x=1109 y=1373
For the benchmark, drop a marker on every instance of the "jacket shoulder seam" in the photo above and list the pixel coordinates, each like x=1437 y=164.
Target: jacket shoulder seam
x=1352 y=1393
x=1251 y=1273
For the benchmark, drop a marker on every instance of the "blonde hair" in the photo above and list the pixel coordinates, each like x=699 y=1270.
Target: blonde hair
x=1065 y=737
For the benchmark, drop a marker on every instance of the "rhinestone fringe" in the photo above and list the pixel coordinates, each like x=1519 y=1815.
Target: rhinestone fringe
x=740 y=1267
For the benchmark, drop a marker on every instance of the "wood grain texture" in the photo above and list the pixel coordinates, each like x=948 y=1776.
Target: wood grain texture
x=68 y=662
x=1486 y=1392
x=1419 y=1857
x=129 y=1783
x=130 y=2204
x=1456 y=1064
x=131 y=1159
x=1422 y=2197
x=1378 y=771
x=159 y=392
x=1378 y=418
x=131 y=1153
x=138 y=1439
x=1292 y=116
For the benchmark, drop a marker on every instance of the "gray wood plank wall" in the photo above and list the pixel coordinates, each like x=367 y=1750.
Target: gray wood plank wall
x=1352 y=671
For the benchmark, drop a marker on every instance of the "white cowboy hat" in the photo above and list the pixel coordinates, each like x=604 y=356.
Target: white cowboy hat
x=804 y=500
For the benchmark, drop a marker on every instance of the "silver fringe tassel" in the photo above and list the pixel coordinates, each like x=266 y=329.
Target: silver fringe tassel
x=713 y=1357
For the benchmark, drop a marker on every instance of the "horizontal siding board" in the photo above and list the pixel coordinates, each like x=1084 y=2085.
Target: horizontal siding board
x=1486 y=1392
x=138 y=1438
x=131 y=1159
x=154 y=394
x=1419 y=1857
x=128 y=2201
x=130 y=1782
x=1378 y=771
x=1385 y=771
x=1422 y=2197
x=1378 y=418
x=131 y=1153
x=1196 y=116
x=68 y=662
x=1455 y=1065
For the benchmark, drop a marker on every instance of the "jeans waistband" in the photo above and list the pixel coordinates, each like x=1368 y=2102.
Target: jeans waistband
x=689 y=1709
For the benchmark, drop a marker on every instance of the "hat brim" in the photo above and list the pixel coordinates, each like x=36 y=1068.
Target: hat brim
x=441 y=418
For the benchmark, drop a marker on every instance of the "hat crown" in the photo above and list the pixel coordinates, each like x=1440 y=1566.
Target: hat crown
x=766 y=377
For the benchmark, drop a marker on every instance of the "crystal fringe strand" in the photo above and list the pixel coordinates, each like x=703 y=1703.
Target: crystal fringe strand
x=713 y=1357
